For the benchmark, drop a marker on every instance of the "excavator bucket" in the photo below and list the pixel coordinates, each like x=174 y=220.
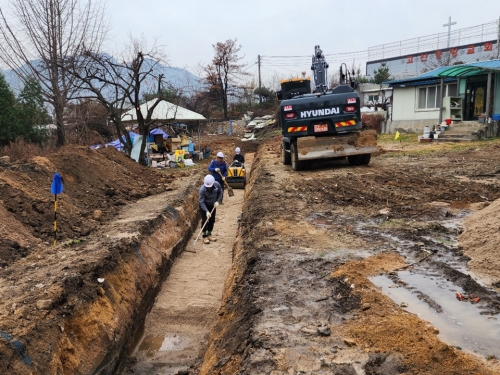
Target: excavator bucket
x=350 y=144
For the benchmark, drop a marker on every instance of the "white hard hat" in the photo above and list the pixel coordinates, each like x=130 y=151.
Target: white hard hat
x=209 y=180
x=220 y=154
x=238 y=150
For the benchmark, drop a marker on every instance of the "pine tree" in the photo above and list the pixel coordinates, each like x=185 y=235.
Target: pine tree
x=381 y=74
x=31 y=112
x=8 y=115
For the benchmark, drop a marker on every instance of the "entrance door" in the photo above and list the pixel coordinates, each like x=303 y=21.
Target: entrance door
x=475 y=100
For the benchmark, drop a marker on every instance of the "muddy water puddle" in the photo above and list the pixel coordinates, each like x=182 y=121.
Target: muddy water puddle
x=161 y=343
x=433 y=299
x=440 y=237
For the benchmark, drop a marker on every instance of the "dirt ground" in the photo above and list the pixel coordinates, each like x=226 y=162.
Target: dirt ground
x=312 y=240
x=304 y=293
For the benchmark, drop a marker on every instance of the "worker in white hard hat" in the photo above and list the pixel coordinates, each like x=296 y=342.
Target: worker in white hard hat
x=238 y=156
x=218 y=168
x=209 y=198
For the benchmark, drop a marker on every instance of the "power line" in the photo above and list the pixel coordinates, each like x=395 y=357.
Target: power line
x=463 y=36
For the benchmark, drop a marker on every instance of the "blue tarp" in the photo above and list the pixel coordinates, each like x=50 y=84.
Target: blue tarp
x=159 y=131
x=118 y=145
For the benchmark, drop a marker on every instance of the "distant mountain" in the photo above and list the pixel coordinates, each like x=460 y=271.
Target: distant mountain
x=177 y=77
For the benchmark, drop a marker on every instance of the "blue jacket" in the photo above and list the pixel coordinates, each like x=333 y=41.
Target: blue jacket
x=223 y=170
x=209 y=196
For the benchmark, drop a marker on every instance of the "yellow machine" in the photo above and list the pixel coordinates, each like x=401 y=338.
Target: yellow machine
x=236 y=175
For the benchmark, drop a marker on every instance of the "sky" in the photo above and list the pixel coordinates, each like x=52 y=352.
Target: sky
x=187 y=29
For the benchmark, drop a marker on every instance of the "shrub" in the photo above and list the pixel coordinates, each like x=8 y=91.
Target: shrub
x=21 y=150
x=372 y=121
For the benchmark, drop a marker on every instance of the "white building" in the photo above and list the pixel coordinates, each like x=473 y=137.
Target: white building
x=466 y=92
x=373 y=94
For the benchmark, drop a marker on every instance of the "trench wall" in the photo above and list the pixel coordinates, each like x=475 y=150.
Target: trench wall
x=134 y=257
x=131 y=288
x=229 y=338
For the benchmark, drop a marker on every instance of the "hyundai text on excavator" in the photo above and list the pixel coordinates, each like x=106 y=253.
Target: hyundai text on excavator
x=323 y=124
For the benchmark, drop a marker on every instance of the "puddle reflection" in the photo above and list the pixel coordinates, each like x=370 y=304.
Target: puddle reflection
x=460 y=323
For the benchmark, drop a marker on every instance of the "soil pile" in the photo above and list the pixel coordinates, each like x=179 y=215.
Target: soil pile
x=480 y=242
x=97 y=183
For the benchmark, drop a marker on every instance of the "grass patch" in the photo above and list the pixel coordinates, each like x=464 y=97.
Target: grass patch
x=72 y=242
x=403 y=138
x=409 y=145
x=394 y=223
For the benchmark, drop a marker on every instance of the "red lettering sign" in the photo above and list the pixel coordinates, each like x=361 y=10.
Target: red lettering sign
x=423 y=57
x=409 y=59
x=488 y=46
x=439 y=54
x=470 y=50
x=454 y=52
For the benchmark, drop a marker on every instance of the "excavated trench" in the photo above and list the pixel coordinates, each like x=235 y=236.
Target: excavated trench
x=175 y=333
x=334 y=270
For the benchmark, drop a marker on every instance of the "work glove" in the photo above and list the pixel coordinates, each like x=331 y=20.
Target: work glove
x=216 y=204
x=208 y=215
x=217 y=170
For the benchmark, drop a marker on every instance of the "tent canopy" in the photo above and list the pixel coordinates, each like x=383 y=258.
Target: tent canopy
x=164 y=111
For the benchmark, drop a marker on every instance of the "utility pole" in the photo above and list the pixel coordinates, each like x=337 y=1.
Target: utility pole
x=498 y=39
x=260 y=87
x=449 y=24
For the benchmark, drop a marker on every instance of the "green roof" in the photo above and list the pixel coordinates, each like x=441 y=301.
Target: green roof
x=470 y=69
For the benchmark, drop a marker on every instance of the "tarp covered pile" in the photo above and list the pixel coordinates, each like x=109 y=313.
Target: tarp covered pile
x=256 y=124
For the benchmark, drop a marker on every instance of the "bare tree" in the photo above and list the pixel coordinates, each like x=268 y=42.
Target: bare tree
x=120 y=85
x=87 y=123
x=38 y=36
x=224 y=71
x=274 y=81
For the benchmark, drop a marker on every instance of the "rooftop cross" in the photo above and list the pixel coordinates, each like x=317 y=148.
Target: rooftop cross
x=449 y=24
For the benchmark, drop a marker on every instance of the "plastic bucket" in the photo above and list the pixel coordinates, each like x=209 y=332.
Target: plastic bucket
x=427 y=132
x=448 y=121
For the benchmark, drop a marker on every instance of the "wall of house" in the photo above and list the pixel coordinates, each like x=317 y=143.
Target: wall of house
x=496 y=97
x=404 y=114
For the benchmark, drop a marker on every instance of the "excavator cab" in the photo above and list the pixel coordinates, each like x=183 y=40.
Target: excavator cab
x=293 y=87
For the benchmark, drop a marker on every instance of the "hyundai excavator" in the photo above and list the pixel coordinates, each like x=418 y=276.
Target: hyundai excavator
x=324 y=123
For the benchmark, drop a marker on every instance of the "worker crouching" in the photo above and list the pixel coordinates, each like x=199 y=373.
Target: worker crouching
x=209 y=198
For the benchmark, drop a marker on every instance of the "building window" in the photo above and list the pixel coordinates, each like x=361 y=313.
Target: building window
x=451 y=89
x=373 y=98
x=431 y=97
x=427 y=97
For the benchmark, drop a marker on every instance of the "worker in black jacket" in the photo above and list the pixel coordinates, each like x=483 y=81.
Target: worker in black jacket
x=209 y=198
x=239 y=156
